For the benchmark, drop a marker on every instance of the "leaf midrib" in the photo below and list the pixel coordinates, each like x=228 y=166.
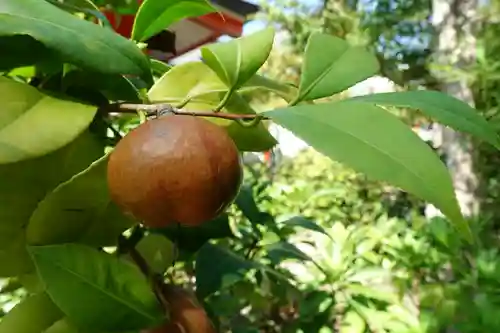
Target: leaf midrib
x=103 y=291
x=73 y=32
x=323 y=74
x=312 y=120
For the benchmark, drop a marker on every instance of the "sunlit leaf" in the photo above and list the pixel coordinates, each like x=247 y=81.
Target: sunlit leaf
x=373 y=141
x=442 y=107
x=236 y=61
x=24 y=108
x=331 y=65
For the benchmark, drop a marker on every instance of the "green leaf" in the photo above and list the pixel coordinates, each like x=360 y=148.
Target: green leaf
x=196 y=82
x=26 y=183
x=256 y=138
x=159 y=68
x=218 y=268
x=373 y=141
x=113 y=86
x=368 y=292
x=444 y=108
x=158 y=251
x=285 y=91
x=24 y=109
x=192 y=238
x=300 y=221
x=331 y=65
x=63 y=326
x=246 y=203
x=281 y=251
x=157 y=15
x=17 y=55
x=34 y=314
x=189 y=81
x=79 y=210
x=236 y=61
x=78 y=42
x=96 y=290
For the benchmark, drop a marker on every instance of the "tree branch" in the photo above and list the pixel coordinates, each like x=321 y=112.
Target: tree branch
x=158 y=109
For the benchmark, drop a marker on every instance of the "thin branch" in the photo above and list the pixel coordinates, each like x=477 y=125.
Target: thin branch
x=155 y=109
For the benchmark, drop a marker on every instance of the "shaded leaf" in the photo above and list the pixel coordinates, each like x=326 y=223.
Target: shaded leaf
x=256 y=138
x=281 y=251
x=157 y=15
x=371 y=140
x=26 y=183
x=78 y=41
x=331 y=65
x=158 y=251
x=115 y=87
x=441 y=107
x=16 y=56
x=34 y=314
x=96 y=290
x=300 y=221
x=218 y=268
x=159 y=67
x=246 y=203
x=79 y=210
x=236 y=61
x=24 y=108
x=192 y=238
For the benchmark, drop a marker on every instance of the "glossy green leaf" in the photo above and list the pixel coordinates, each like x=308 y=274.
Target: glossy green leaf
x=96 y=290
x=24 y=184
x=331 y=65
x=24 y=108
x=192 y=238
x=444 y=108
x=34 y=314
x=302 y=222
x=373 y=141
x=79 y=42
x=218 y=268
x=79 y=210
x=157 y=15
x=236 y=61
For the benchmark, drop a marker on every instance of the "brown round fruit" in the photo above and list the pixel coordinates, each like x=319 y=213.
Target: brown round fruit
x=186 y=315
x=175 y=169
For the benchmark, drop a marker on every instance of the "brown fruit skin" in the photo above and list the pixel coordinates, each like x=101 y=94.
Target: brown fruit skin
x=175 y=169
x=185 y=314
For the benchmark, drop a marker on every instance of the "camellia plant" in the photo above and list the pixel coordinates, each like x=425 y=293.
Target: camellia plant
x=80 y=221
